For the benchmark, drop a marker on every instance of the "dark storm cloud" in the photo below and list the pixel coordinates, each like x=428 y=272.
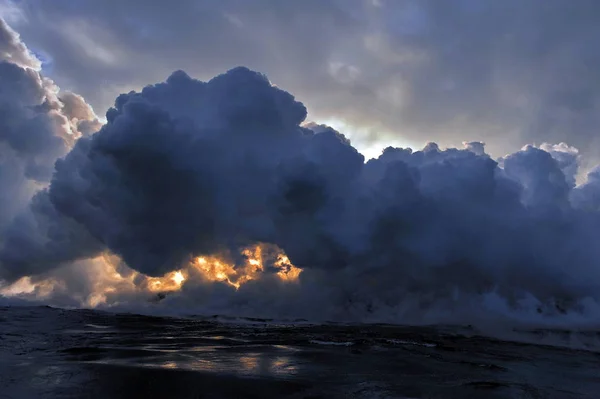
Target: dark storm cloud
x=40 y=239
x=507 y=73
x=187 y=168
x=200 y=158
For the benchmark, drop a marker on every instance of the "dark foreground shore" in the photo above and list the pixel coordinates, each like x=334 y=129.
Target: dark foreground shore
x=53 y=353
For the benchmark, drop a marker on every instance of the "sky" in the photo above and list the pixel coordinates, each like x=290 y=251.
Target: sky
x=392 y=72
x=396 y=161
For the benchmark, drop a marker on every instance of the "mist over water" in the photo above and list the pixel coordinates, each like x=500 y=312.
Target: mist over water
x=119 y=215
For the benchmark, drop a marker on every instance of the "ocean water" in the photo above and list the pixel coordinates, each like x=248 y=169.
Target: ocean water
x=55 y=353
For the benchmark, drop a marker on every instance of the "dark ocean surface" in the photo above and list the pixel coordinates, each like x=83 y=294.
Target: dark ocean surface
x=54 y=353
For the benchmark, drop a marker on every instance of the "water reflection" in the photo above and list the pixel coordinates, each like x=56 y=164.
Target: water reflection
x=274 y=361
x=170 y=365
x=143 y=357
x=283 y=365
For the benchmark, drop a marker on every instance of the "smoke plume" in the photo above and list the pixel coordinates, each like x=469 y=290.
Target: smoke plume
x=186 y=171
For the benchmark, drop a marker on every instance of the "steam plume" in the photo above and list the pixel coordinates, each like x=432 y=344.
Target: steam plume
x=186 y=169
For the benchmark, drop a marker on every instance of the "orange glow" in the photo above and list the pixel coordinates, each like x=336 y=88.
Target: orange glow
x=287 y=272
x=171 y=281
x=26 y=286
x=21 y=286
x=178 y=278
x=216 y=269
x=110 y=281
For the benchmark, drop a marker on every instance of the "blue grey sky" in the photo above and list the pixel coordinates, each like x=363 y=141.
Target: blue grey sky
x=401 y=72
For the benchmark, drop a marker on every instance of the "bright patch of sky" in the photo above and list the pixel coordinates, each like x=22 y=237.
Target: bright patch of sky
x=362 y=138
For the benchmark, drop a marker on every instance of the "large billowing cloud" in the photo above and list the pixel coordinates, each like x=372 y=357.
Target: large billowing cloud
x=507 y=72
x=188 y=168
x=38 y=124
